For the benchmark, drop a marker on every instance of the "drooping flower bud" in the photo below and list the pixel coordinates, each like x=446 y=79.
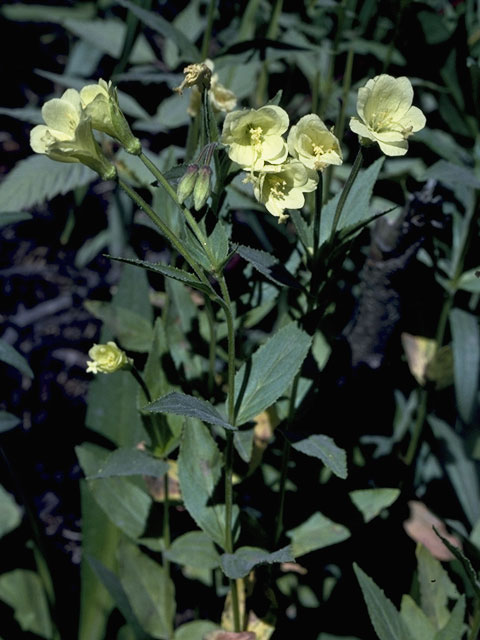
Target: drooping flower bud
x=187 y=183
x=107 y=358
x=202 y=187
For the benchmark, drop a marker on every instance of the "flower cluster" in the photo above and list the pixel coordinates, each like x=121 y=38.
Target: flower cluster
x=107 y=358
x=281 y=170
x=67 y=135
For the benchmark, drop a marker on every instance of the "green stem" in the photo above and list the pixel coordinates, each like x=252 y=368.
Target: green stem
x=418 y=428
x=212 y=348
x=139 y=378
x=271 y=34
x=167 y=232
x=207 y=36
x=346 y=190
x=331 y=67
x=475 y=628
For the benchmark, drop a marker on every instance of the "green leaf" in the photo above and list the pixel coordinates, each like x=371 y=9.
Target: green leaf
x=466 y=360
x=268 y=265
x=132 y=330
x=469 y=281
x=194 y=549
x=370 y=502
x=453 y=174
x=462 y=558
x=169 y=272
x=91 y=248
x=199 y=469
x=108 y=35
x=11 y=512
x=357 y=205
x=435 y=588
x=239 y=564
x=130 y=462
x=118 y=594
x=149 y=589
x=419 y=626
x=195 y=630
x=10 y=355
x=13 y=217
x=379 y=50
x=304 y=230
x=455 y=627
x=444 y=145
x=188 y=50
x=8 y=421
x=23 y=591
x=38 y=178
x=42 y=13
x=434 y=27
x=315 y=533
x=272 y=369
x=384 y=617
x=183 y=405
x=324 y=448
x=243 y=441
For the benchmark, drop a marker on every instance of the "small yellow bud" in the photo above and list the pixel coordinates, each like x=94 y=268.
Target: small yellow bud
x=202 y=187
x=107 y=358
x=187 y=183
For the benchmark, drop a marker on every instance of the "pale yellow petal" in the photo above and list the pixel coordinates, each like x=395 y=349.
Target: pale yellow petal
x=413 y=120
x=60 y=115
x=394 y=148
x=360 y=129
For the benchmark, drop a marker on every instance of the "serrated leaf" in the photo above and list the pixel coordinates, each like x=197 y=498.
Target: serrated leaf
x=384 y=617
x=194 y=549
x=268 y=265
x=13 y=217
x=466 y=360
x=239 y=564
x=183 y=405
x=188 y=50
x=168 y=271
x=132 y=330
x=357 y=205
x=462 y=558
x=419 y=626
x=149 y=589
x=10 y=355
x=11 y=512
x=272 y=369
x=8 y=421
x=324 y=448
x=23 y=591
x=370 y=502
x=38 y=178
x=316 y=533
x=130 y=462
x=435 y=588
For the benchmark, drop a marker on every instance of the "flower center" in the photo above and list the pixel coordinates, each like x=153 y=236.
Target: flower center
x=318 y=150
x=278 y=188
x=256 y=136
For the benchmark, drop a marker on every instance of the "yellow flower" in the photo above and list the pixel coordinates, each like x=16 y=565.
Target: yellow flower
x=254 y=136
x=221 y=98
x=67 y=135
x=281 y=187
x=107 y=358
x=313 y=144
x=384 y=105
x=100 y=102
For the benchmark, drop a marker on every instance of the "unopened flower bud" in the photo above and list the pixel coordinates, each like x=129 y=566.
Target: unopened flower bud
x=107 y=358
x=202 y=187
x=187 y=182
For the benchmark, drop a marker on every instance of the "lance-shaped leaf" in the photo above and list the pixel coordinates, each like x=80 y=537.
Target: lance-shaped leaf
x=194 y=549
x=273 y=366
x=23 y=590
x=239 y=564
x=324 y=448
x=132 y=329
x=11 y=512
x=436 y=588
x=11 y=356
x=130 y=462
x=269 y=266
x=315 y=533
x=466 y=360
x=182 y=405
x=8 y=421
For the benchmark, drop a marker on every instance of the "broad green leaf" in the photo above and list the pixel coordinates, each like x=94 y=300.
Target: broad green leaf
x=11 y=512
x=419 y=626
x=243 y=441
x=435 y=588
x=169 y=272
x=455 y=627
x=134 y=292
x=460 y=468
x=273 y=366
x=118 y=595
x=108 y=35
x=130 y=462
x=194 y=630
x=41 y=13
x=434 y=27
x=10 y=355
x=370 y=502
x=199 y=469
x=469 y=281
x=444 y=144
x=23 y=591
x=315 y=533
x=324 y=448
x=132 y=330
x=38 y=178
x=453 y=174
x=268 y=265
x=218 y=243
x=357 y=205
x=13 y=217
x=384 y=617
x=183 y=405
x=239 y=564
x=194 y=549
x=149 y=590
x=8 y=421
x=466 y=360
x=188 y=50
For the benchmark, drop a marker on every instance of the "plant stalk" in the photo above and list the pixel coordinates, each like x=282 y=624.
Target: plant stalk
x=346 y=190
